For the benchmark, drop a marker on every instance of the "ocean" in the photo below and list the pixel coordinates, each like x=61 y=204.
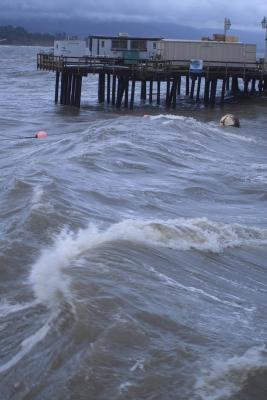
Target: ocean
x=132 y=246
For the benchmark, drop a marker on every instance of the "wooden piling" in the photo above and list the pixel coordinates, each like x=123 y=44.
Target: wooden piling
x=213 y=92
x=179 y=85
x=78 y=91
x=113 y=94
x=150 y=91
x=207 y=91
x=108 y=88
x=235 y=86
x=126 y=92
x=101 y=87
x=187 y=85
x=193 y=81
x=253 y=85
x=132 y=94
x=224 y=81
x=143 y=90
x=73 y=90
x=120 y=91
x=198 y=88
x=246 y=82
x=57 y=86
x=167 y=100
x=158 y=92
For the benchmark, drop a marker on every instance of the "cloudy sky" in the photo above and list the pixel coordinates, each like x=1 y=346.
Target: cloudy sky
x=244 y=14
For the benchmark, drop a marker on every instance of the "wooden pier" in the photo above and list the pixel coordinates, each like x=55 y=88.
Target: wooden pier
x=160 y=82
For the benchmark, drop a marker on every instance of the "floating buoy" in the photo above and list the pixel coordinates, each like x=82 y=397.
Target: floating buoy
x=230 y=120
x=40 y=135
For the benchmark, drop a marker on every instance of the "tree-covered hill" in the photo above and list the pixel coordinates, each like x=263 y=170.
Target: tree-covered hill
x=17 y=35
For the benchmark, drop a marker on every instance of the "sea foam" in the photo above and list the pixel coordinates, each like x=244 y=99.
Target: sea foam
x=50 y=282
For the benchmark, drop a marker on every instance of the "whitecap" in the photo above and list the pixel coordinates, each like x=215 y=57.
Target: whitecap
x=48 y=276
x=225 y=377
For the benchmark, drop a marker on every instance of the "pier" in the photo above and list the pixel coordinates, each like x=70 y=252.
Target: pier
x=160 y=82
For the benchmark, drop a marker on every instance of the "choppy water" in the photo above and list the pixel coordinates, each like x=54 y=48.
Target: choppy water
x=132 y=249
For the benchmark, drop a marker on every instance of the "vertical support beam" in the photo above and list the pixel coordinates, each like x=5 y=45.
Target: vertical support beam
x=108 y=88
x=168 y=93
x=223 y=91
x=56 y=86
x=227 y=84
x=68 y=91
x=198 y=88
x=143 y=90
x=132 y=94
x=246 y=82
x=260 y=86
x=235 y=87
x=101 y=87
x=174 y=93
x=187 y=85
x=113 y=95
x=193 y=81
x=126 y=92
x=213 y=92
x=253 y=85
x=150 y=91
x=158 y=92
x=120 y=91
x=179 y=85
x=62 y=84
x=73 y=89
x=207 y=91
x=78 y=90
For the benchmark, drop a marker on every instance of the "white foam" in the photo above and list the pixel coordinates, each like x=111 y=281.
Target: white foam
x=139 y=364
x=224 y=377
x=50 y=282
x=7 y=308
x=26 y=347
x=125 y=386
x=38 y=192
x=173 y=117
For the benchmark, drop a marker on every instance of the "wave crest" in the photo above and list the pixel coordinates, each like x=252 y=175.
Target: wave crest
x=47 y=274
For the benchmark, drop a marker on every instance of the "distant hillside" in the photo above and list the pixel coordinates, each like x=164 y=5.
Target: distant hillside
x=85 y=27
x=17 y=35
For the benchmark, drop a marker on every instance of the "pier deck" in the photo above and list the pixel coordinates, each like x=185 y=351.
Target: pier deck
x=115 y=76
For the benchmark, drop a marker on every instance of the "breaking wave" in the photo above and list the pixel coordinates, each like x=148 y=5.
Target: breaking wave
x=47 y=274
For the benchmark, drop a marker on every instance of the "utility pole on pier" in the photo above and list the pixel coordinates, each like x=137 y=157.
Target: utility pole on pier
x=227 y=25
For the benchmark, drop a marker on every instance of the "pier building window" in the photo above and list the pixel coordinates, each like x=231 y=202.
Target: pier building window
x=102 y=43
x=119 y=44
x=139 y=45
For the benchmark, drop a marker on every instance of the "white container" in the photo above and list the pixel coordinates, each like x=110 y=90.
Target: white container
x=70 y=48
x=208 y=51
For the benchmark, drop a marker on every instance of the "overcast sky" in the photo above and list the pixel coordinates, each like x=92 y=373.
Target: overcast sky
x=244 y=14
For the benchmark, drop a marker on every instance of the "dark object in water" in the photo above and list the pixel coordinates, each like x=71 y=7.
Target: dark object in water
x=230 y=120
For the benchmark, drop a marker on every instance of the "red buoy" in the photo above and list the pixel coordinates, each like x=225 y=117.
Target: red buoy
x=41 y=135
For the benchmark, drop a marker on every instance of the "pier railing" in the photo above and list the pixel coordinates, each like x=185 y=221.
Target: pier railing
x=50 y=62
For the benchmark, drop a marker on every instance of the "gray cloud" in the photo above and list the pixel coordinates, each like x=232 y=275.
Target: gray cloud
x=244 y=14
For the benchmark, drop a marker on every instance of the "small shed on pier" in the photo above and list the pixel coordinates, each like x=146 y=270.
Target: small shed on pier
x=123 y=46
x=70 y=48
